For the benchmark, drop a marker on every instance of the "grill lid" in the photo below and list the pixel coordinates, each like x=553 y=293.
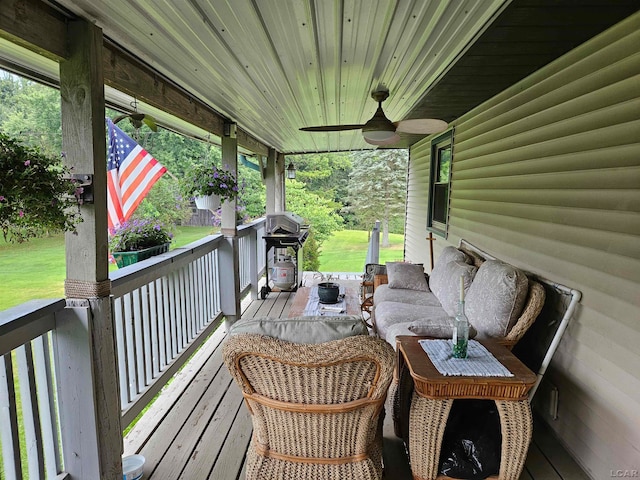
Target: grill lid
x=283 y=223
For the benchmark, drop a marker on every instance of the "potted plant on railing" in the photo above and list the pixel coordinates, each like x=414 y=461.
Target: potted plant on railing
x=37 y=196
x=209 y=185
x=138 y=240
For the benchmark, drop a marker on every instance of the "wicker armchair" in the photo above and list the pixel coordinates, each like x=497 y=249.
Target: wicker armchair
x=316 y=409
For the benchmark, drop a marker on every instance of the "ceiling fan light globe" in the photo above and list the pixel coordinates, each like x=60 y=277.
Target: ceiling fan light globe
x=389 y=141
x=378 y=135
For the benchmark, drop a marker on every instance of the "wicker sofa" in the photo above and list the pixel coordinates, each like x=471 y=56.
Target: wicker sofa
x=501 y=301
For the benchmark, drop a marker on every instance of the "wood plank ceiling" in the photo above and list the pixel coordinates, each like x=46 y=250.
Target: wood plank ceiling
x=273 y=66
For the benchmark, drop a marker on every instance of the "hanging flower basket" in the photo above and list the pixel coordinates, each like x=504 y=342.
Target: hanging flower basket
x=208 y=202
x=204 y=180
x=36 y=195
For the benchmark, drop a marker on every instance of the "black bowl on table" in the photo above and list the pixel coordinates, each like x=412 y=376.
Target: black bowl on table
x=328 y=292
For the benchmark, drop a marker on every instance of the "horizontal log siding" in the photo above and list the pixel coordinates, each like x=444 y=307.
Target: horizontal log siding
x=546 y=175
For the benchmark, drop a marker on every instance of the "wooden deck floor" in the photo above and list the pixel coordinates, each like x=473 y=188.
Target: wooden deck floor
x=199 y=428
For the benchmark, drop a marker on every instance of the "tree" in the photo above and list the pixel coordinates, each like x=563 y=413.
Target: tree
x=318 y=212
x=377 y=188
x=323 y=172
x=32 y=114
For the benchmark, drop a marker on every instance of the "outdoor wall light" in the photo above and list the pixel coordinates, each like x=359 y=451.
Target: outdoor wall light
x=291 y=171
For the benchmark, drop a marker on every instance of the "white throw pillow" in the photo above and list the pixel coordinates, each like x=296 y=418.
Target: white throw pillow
x=439 y=273
x=407 y=275
x=438 y=327
x=447 y=289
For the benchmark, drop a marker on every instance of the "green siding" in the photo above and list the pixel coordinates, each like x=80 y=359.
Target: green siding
x=546 y=175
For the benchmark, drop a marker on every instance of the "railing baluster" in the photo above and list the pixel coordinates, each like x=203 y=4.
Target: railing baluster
x=146 y=335
x=166 y=321
x=209 y=282
x=53 y=411
x=45 y=401
x=216 y=279
x=30 y=414
x=203 y=318
x=190 y=302
x=138 y=341
x=117 y=308
x=153 y=306
x=173 y=314
x=129 y=339
x=9 y=418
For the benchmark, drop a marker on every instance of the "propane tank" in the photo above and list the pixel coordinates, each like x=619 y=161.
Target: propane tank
x=284 y=272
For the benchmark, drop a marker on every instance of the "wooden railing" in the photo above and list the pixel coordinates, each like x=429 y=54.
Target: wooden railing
x=26 y=354
x=163 y=309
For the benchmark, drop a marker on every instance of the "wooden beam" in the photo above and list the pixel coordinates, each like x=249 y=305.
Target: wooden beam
x=34 y=25
x=127 y=74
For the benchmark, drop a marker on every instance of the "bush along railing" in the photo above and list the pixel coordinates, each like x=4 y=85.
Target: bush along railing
x=163 y=309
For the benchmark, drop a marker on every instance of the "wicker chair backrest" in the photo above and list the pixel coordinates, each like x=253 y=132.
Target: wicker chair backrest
x=316 y=404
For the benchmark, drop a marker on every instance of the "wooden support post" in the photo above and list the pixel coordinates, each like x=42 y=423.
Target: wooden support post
x=253 y=263
x=88 y=383
x=280 y=188
x=270 y=180
x=229 y=256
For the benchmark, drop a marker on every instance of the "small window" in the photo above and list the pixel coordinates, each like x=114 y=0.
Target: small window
x=441 y=158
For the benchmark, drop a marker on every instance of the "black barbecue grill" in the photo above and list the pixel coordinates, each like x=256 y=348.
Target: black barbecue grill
x=284 y=230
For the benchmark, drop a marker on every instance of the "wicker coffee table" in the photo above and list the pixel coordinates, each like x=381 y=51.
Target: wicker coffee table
x=433 y=395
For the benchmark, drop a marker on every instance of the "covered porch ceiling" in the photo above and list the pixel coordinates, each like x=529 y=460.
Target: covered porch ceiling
x=273 y=66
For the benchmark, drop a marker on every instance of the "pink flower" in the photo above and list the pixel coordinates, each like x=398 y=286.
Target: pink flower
x=2 y=198
x=21 y=213
x=27 y=163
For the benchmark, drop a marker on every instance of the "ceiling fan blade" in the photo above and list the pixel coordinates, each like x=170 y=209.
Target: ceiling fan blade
x=150 y=122
x=331 y=128
x=381 y=143
x=421 y=125
x=120 y=118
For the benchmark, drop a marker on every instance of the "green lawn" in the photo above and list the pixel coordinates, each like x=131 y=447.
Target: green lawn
x=36 y=269
x=346 y=251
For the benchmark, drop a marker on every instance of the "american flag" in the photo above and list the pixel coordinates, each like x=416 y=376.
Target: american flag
x=131 y=172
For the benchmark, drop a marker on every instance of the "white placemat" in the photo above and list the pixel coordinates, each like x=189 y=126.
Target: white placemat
x=479 y=361
x=314 y=307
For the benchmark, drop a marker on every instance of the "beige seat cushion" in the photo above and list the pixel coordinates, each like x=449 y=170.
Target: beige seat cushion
x=386 y=294
x=308 y=330
x=496 y=298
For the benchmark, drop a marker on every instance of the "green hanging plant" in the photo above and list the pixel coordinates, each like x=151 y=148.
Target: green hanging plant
x=37 y=197
x=208 y=179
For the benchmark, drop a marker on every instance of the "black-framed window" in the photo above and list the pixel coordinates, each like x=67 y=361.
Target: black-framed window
x=439 y=181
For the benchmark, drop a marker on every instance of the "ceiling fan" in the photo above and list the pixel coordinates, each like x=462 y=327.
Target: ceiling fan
x=379 y=130
x=137 y=120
